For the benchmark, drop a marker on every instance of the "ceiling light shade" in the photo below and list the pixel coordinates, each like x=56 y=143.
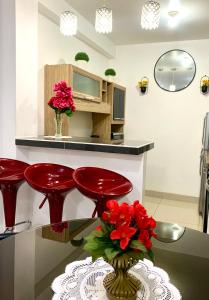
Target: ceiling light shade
x=174 y=5
x=174 y=13
x=68 y=23
x=103 y=21
x=173 y=19
x=150 y=18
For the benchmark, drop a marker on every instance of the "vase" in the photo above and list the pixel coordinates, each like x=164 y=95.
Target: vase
x=204 y=89
x=120 y=285
x=143 y=89
x=81 y=64
x=110 y=78
x=58 y=125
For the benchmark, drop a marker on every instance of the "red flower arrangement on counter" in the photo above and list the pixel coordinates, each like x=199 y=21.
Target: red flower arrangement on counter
x=124 y=229
x=62 y=102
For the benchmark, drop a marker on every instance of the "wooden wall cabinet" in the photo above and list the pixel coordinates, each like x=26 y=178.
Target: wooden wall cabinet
x=92 y=94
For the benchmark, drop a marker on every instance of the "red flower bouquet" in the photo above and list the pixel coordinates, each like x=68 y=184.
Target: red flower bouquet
x=125 y=229
x=62 y=102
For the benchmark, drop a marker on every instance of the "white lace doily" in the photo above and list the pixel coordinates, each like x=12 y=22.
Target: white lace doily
x=83 y=280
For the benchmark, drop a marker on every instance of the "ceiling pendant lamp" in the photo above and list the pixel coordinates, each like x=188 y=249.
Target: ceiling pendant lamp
x=68 y=23
x=103 y=21
x=150 y=18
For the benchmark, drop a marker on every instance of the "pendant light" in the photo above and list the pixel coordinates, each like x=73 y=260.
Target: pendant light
x=174 y=13
x=103 y=20
x=150 y=18
x=68 y=23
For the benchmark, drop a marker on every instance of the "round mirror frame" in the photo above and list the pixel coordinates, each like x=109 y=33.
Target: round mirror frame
x=195 y=70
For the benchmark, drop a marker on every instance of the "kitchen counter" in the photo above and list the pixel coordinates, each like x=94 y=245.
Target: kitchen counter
x=127 y=158
x=87 y=144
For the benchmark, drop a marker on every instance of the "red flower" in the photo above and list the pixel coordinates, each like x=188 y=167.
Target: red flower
x=118 y=214
x=144 y=237
x=111 y=215
x=139 y=209
x=63 y=99
x=144 y=222
x=99 y=228
x=152 y=233
x=124 y=234
x=152 y=223
x=112 y=205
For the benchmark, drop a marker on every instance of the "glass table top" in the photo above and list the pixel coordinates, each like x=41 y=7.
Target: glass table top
x=29 y=261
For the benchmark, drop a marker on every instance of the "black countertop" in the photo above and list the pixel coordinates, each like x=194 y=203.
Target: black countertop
x=30 y=261
x=87 y=144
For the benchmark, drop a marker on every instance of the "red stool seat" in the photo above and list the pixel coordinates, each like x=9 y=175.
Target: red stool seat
x=101 y=185
x=54 y=181
x=11 y=177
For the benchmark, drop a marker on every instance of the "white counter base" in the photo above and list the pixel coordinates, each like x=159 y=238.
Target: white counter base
x=76 y=205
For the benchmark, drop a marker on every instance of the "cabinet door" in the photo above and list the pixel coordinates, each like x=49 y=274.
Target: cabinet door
x=87 y=87
x=118 y=104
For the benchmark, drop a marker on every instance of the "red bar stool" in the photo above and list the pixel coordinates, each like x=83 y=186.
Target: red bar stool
x=11 y=178
x=55 y=182
x=101 y=185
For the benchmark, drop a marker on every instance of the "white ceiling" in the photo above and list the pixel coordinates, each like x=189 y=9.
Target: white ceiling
x=194 y=22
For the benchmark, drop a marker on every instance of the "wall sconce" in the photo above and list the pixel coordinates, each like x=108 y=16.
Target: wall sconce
x=204 y=84
x=143 y=84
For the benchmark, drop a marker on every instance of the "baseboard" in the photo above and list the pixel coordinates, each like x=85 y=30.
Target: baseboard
x=170 y=196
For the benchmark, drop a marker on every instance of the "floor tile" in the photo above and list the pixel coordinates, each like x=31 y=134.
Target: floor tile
x=176 y=214
x=179 y=203
x=151 y=207
x=191 y=226
x=200 y=220
x=152 y=199
x=200 y=228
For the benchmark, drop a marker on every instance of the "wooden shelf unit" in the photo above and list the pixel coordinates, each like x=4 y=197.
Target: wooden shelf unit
x=101 y=106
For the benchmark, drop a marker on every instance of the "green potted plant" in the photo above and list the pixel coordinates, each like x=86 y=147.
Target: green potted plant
x=143 y=84
x=81 y=58
x=110 y=74
x=122 y=239
x=204 y=83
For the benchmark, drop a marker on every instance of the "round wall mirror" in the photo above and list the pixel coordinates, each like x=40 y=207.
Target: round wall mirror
x=175 y=70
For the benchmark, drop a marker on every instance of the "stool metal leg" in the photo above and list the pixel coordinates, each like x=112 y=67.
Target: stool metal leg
x=9 y=193
x=10 y=230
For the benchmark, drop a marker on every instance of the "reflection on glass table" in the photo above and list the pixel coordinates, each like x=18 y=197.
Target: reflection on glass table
x=30 y=261
x=169 y=233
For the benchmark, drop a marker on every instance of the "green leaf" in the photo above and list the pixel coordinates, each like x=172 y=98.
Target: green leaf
x=104 y=227
x=135 y=244
x=94 y=234
x=91 y=246
x=95 y=255
x=151 y=255
x=69 y=112
x=95 y=244
x=90 y=238
x=111 y=253
x=95 y=250
x=97 y=233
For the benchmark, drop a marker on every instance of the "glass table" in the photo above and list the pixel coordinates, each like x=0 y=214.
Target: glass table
x=29 y=261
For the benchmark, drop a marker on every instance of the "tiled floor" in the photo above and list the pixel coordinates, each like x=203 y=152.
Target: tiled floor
x=183 y=213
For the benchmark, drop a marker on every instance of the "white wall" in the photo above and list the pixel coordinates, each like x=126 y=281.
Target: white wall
x=54 y=48
x=172 y=120
x=26 y=67
x=7 y=78
x=86 y=33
